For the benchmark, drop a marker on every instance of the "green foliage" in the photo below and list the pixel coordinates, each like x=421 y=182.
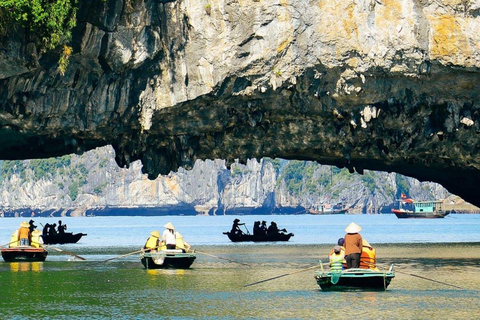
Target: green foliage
x=402 y=185
x=73 y=190
x=99 y=189
x=276 y=163
x=51 y=21
x=46 y=168
x=368 y=180
x=293 y=175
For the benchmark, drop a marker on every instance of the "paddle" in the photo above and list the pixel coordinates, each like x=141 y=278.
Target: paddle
x=211 y=255
x=425 y=278
x=65 y=251
x=280 y=276
x=128 y=254
x=3 y=245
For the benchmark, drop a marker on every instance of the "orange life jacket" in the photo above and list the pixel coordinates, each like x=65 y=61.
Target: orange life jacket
x=367 y=258
x=24 y=233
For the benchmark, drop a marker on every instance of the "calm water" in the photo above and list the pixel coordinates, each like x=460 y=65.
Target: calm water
x=446 y=252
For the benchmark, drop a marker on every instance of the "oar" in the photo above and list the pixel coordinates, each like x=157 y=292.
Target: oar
x=211 y=255
x=65 y=251
x=425 y=278
x=280 y=276
x=3 y=245
x=123 y=255
x=128 y=254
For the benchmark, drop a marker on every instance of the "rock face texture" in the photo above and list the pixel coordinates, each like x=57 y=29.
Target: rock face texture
x=370 y=84
x=93 y=184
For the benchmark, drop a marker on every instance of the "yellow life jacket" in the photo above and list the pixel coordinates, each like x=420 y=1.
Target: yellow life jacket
x=152 y=242
x=37 y=242
x=336 y=261
x=179 y=241
x=14 y=240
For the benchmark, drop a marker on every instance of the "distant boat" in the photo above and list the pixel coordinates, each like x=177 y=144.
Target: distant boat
x=62 y=238
x=354 y=279
x=168 y=258
x=407 y=208
x=24 y=254
x=235 y=237
x=329 y=209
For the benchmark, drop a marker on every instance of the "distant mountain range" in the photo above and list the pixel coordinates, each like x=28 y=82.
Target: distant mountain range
x=93 y=184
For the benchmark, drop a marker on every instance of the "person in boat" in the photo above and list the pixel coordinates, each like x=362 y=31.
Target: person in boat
x=236 y=227
x=37 y=241
x=336 y=259
x=368 y=256
x=46 y=229
x=61 y=227
x=173 y=239
x=256 y=228
x=340 y=243
x=24 y=234
x=353 y=245
x=52 y=229
x=32 y=226
x=273 y=228
x=153 y=242
x=263 y=227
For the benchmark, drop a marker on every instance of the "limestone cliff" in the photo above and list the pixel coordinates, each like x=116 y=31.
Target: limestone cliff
x=370 y=84
x=94 y=184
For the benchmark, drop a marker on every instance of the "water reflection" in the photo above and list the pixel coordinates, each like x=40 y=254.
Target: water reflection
x=26 y=266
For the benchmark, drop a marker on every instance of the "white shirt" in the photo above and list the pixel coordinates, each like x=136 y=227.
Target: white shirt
x=168 y=237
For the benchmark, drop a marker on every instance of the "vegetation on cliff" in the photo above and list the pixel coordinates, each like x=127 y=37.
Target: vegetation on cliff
x=48 y=23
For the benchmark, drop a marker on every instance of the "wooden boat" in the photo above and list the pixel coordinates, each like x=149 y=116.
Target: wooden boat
x=24 y=254
x=62 y=238
x=329 y=209
x=258 y=238
x=354 y=279
x=407 y=208
x=168 y=258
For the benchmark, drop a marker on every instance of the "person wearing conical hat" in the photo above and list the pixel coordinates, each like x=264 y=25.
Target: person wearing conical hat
x=153 y=241
x=353 y=245
x=168 y=236
x=24 y=234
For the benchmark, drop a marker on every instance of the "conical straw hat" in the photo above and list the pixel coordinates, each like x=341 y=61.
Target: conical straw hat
x=169 y=226
x=155 y=233
x=24 y=224
x=353 y=228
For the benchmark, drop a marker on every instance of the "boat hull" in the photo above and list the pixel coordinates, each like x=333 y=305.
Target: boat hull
x=167 y=259
x=419 y=215
x=258 y=238
x=354 y=280
x=62 y=238
x=24 y=254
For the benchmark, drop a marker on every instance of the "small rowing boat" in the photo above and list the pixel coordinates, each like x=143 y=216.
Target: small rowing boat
x=24 y=254
x=356 y=279
x=235 y=237
x=168 y=258
x=62 y=238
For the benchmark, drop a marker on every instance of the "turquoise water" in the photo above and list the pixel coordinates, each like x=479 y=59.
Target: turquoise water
x=308 y=229
x=65 y=288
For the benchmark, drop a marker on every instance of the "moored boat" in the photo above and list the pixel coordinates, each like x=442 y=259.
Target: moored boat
x=62 y=238
x=407 y=208
x=354 y=279
x=236 y=237
x=24 y=254
x=338 y=208
x=168 y=258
